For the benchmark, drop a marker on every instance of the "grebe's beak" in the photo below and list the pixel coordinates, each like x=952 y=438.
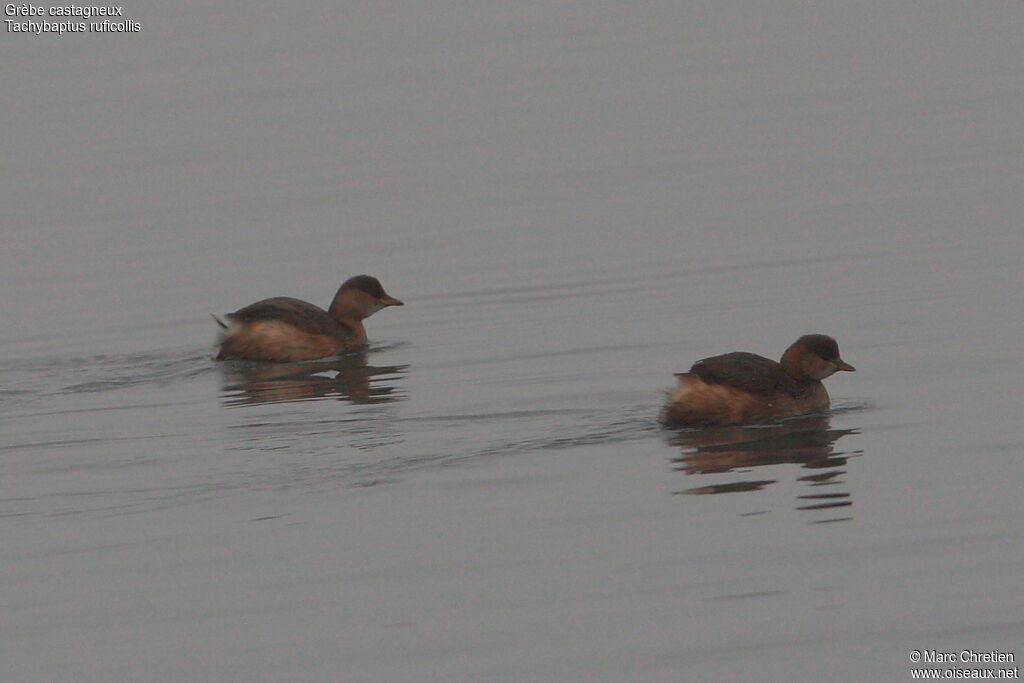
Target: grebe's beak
x=390 y=301
x=840 y=364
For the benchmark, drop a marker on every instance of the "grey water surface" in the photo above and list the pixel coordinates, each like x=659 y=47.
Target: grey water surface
x=575 y=200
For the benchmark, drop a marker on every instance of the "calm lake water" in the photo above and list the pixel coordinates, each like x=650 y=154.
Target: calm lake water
x=574 y=201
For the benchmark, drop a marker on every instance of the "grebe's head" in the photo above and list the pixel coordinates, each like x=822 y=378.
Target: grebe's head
x=360 y=297
x=814 y=356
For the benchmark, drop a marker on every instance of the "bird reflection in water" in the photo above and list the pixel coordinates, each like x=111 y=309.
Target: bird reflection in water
x=808 y=441
x=348 y=378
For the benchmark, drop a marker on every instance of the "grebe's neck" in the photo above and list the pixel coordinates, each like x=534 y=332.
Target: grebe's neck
x=355 y=327
x=792 y=363
x=349 y=308
x=350 y=304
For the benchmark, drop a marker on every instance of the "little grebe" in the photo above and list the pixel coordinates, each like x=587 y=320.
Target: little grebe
x=283 y=329
x=744 y=388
